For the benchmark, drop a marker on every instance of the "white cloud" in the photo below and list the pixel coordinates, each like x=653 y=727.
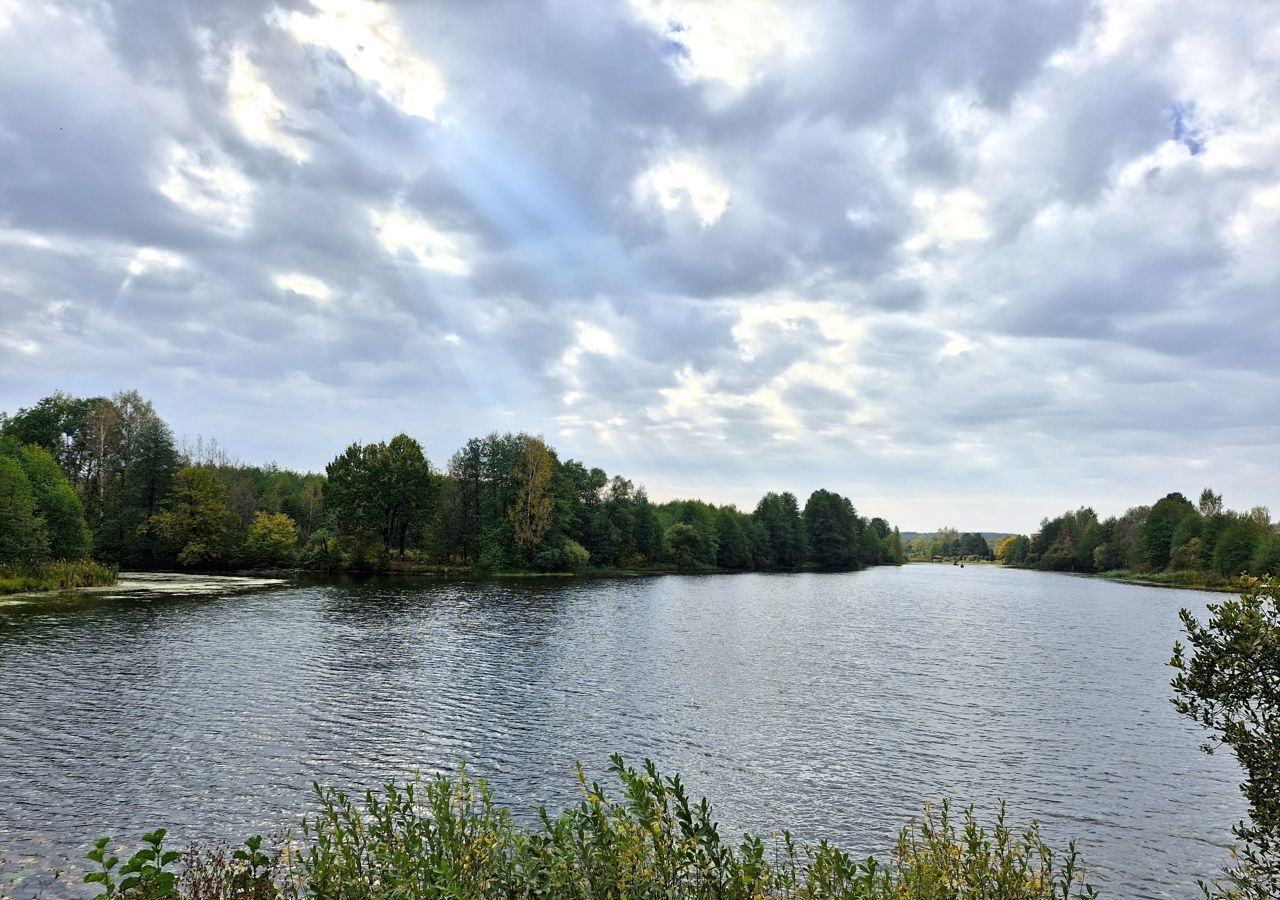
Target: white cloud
x=951 y=218
x=207 y=184
x=591 y=339
x=727 y=41
x=304 y=285
x=370 y=43
x=149 y=259
x=256 y=110
x=402 y=232
x=8 y=13
x=677 y=184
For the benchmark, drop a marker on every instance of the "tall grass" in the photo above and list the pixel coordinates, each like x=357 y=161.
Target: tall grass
x=445 y=837
x=54 y=576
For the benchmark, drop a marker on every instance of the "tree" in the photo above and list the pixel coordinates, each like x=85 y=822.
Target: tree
x=896 y=555
x=1231 y=686
x=783 y=529
x=1157 y=532
x=58 y=424
x=22 y=535
x=1235 y=547
x=271 y=539
x=531 y=511
x=1210 y=503
x=147 y=461
x=1188 y=557
x=56 y=504
x=685 y=546
x=196 y=522
x=1016 y=550
x=377 y=492
x=732 y=549
x=830 y=524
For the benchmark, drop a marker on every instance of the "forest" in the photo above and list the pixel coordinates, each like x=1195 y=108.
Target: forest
x=1173 y=540
x=105 y=478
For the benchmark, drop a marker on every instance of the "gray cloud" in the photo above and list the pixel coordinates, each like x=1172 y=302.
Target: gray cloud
x=920 y=254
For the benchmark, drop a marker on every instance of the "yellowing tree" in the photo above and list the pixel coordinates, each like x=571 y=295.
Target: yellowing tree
x=1003 y=547
x=530 y=513
x=196 y=520
x=271 y=539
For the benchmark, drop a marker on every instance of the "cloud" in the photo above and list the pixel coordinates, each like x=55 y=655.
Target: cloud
x=366 y=37
x=257 y=111
x=916 y=253
x=681 y=184
x=401 y=232
x=303 y=285
x=728 y=42
x=207 y=184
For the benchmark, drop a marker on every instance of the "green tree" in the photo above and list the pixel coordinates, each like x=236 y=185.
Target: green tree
x=1191 y=526
x=783 y=528
x=831 y=527
x=1236 y=546
x=1188 y=557
x=22 y=535
x=376 y=492
x=732 y=548
x=1230 y=684
x=1157 y=532
x=1210 y=503
x=59 y=424
x=271 y=539
x=147 y=461
x=196 y=522
x=896 y=555
x=685 y=546
x=56 y=504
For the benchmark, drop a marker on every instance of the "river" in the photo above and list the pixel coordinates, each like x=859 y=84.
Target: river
x=830 y=704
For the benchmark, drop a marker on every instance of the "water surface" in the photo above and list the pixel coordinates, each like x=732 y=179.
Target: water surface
x=832 y=704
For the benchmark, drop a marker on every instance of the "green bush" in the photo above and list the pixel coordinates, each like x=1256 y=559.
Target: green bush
x=445 y=837
x=575 y=556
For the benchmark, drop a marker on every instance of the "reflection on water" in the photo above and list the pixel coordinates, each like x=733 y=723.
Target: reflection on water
x=830 y=704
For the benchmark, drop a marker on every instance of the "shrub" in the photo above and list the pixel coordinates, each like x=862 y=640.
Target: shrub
x=445 y=837
x=575 y=556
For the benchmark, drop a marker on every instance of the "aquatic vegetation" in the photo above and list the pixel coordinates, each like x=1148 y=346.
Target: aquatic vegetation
x=54 y=576
x=445 y=837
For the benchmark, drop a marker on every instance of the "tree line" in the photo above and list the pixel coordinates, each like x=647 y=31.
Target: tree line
x=949 y=544
x=105 y=477
x=1174 y=537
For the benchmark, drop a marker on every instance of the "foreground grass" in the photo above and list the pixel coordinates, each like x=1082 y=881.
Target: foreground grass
x=56 y=576
x=444 y=837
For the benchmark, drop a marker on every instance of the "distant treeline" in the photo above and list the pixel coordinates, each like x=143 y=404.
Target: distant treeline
x=104 y=477
x=947 y=543
x=1175 y=538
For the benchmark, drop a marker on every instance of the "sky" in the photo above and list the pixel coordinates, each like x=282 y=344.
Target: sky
x=969 y=263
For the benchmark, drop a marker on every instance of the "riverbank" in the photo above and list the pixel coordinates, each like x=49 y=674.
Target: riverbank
x=1195 y=581
x=56 y=576
x=1191 y=581
x=460 y=572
